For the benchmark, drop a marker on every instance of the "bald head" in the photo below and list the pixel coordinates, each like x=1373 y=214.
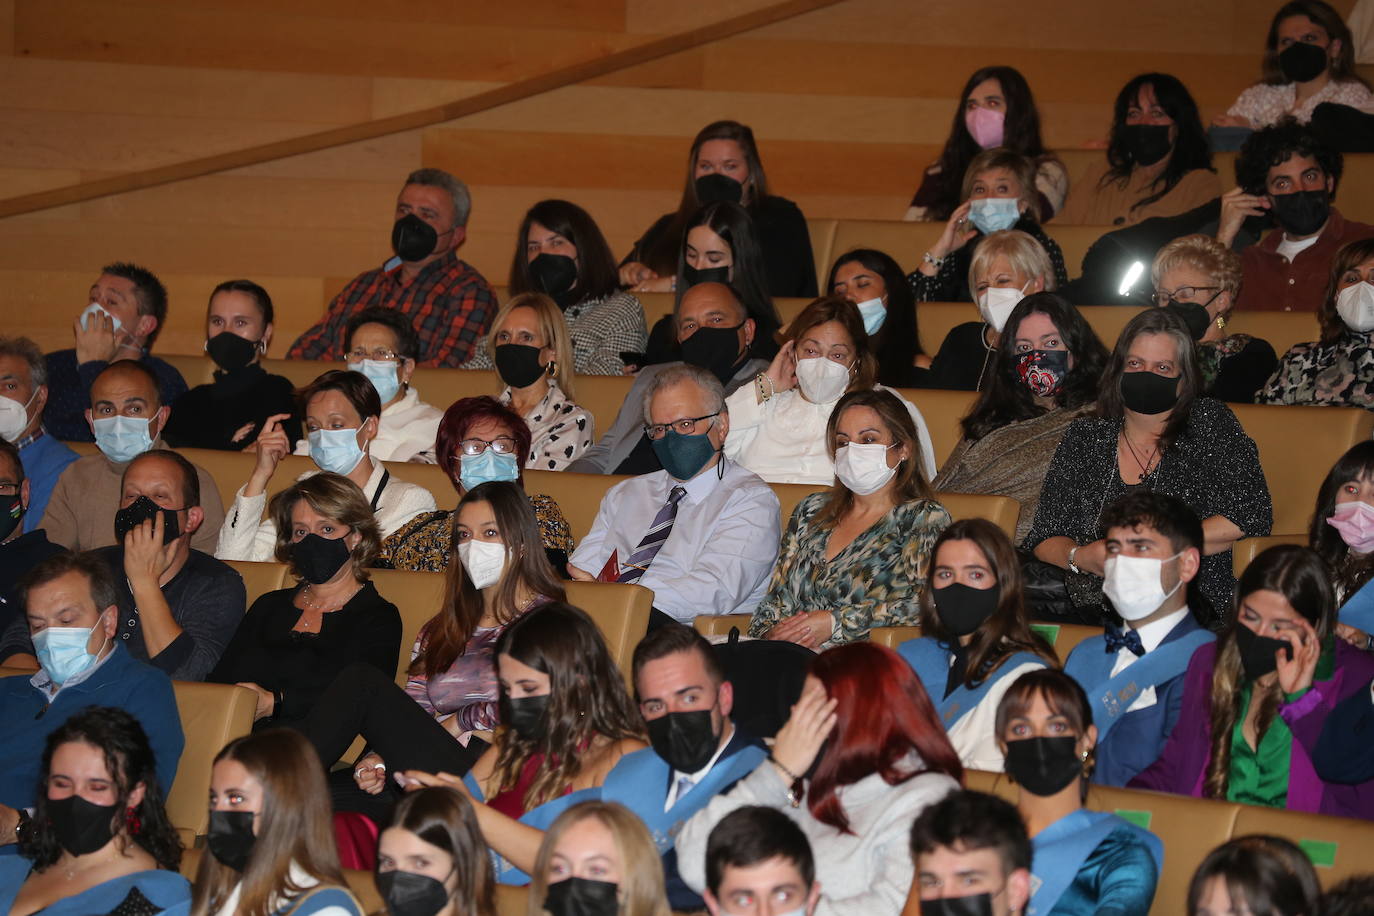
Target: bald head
x=128 y=389
x=706 y=300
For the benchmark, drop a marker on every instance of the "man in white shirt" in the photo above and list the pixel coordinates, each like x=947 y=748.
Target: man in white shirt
x=1134 y=676
x=703 y=533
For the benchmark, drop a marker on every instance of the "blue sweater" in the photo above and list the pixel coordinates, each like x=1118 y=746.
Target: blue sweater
x=44 y=460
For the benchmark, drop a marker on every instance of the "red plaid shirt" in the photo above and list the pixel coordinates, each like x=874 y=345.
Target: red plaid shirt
x=449 y=303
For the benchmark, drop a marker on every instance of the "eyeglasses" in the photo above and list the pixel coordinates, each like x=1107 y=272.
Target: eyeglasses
x=684 y=427
x=1185 y=294
x=501 y=445
x=358 y=354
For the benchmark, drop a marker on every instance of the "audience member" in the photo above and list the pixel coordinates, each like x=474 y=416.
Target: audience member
x=724 y=165
x=777 y=423
x=431 y=860
x=996 y=110
x=127 y=417
x=269 y=849
x=23 y=396
x=1133 y=677
x=1043 y=377
x=596 y=858
x=99 y=840
x=970 y=849
x=877 y=286
x=294 y=641
x=1157 y=164
x=1257 y=874
x=127 y=311
x=1342 y=527
x=448 y=302
x=759 y=863
x=1254 y=702
x=883 y=764
x=976 y=639
x=1152 y=430
x=1349 y=897
x=229 y=412
x=343 y=414
x=19 y=551
x=1083 y=861
x=702 y=534
x=856 y=556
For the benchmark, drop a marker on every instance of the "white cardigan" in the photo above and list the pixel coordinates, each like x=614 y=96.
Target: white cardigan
x=405 y=431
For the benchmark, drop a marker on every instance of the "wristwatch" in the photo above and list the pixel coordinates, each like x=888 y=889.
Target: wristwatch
x=1072 y=567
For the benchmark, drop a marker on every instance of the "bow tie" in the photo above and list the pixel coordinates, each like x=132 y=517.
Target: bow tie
x=1125 y=639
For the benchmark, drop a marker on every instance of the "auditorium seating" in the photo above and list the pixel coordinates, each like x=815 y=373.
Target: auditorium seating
x=1245 y=551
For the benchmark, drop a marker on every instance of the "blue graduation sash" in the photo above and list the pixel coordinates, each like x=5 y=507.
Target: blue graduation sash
x=1090 y=664
x=930 y=661
x=539 y=818
x=1358 y=610
x=1060 y=850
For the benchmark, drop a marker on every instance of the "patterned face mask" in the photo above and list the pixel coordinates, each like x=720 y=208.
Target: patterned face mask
x=1043 y=371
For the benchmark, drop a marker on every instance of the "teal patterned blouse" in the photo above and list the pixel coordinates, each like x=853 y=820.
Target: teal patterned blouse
x=876 y=581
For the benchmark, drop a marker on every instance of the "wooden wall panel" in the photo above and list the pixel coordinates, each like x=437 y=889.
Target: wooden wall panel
x=553 y=14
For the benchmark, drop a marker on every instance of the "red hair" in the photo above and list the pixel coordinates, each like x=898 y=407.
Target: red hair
x=461 y=416
x=882 y=715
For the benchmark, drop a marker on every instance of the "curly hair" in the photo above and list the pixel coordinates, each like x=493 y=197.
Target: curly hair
x=1271 y=146
x=1202 y=253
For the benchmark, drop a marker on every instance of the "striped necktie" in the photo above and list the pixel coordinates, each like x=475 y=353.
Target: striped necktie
x=653 y=541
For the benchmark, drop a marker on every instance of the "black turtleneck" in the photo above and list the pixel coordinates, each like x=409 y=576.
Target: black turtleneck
x=207 y=416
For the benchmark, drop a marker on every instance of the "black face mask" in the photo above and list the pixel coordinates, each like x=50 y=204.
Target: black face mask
x=1043 y=766
x=1194 y=315
x=526 y=715
x=692 y=276
x=1146 y=144
x=231 y=839
x=1258 y=653
x=413 y=239
x=714 y=349
x=317 y=559
x=81 y=827
x=409 y=894
x=582 y=897
x=1148 y=393
x=1302 y=62
x=972 y=905
x=518 y=365
x=142 y=510
x=685 y=740
x=963 y=608
x=1302 y=212
x=230 y=351
x=11 y=514
x=554 y=276
x=716 y=187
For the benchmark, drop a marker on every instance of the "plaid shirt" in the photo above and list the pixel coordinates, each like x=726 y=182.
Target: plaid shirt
x=449 y=303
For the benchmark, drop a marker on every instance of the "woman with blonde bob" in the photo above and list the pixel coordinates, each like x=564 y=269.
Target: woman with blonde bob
x=598 y=857
x=433 y=851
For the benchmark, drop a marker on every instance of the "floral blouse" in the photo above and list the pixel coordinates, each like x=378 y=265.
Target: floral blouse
x=560 y=431
x=1264 y=105
x=876 y=581
x=1338 y=374
x=423 y=543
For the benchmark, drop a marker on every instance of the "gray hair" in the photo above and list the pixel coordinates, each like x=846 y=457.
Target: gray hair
x=438 y=178
x=685 y=372
x=30 y=353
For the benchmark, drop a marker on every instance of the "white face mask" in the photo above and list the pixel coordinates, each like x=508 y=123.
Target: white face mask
x=14 y=417
x=821 y=380
x=1355 y=305
x=97 y=308
x=862 y=467
x=1134 y=585
x=874 y=313
x=996 y=303
x=483 y=561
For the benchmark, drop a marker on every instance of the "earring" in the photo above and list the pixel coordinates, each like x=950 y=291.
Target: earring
x=132 y=822
x=1221 y=322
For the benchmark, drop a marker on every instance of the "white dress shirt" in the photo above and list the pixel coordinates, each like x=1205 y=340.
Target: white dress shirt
x=406 y=431
x=720 y=554
x=783 y=439
x=1151 y=635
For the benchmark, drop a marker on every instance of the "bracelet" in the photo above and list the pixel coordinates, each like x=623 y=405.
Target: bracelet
x=796 y=791
x=1072 y=568
x=932 y=260
x=758 y=381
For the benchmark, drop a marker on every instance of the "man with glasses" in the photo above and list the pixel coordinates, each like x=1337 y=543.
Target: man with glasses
x=703 y=532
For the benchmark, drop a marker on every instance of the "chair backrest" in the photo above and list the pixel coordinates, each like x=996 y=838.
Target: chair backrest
x=720 y=624
x=418 y=596
x=892 y=637
x=1338 y=846
x=998 y=784
x=211 y=716
x=942 y=410
x=512 y=900
x=1064 y=636
x=578 y=495
x=1247 y=549
x=261 y=578
x=622 y=613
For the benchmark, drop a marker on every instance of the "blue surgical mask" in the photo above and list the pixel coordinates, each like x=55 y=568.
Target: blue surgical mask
x=62 y=651
x=474 y=470
x=122 y=439
x=683 y=456
x=993 y=214
x=874 y=313
x=335 y=449
x=383 y=375
x=97 y=308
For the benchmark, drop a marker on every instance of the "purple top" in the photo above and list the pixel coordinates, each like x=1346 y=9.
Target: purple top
x=1182 y=767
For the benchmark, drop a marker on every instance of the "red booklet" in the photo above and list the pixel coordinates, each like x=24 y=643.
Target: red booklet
x=611 y=571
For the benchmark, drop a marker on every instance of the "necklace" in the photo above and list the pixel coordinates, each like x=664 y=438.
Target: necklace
x=327 y=606
x=1145 y=465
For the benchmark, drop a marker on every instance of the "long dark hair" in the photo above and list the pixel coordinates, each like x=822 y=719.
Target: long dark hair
x=1342 y=68
x=1269 y=875
x=749 y=274
x=597 y=276
x=1191 y=150
x=1154 y=321
x=443 y=818
x=130 y=762
x=898 y=341
x=1348 y=573
x=1006 y=400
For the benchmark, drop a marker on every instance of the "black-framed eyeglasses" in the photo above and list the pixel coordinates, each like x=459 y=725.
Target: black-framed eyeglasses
x=1185 y=294
x=501 y=445
x=684 y=427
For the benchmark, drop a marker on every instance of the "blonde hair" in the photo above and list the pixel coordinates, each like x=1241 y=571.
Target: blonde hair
x=552 y=327
x=642 y=891
x=1204 y=253
x=1023 y=252
x=334 y=497
x=1021 y=168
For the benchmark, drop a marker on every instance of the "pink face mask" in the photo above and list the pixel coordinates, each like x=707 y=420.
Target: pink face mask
x=1355 y=522
x=986 y=126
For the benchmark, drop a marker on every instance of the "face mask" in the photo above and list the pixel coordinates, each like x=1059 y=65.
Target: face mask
x=475 y=470
x=554 y=276
x=518 y=365
x=14 y=417
x=526 y=715
x=335 y=450
x=1133 y=585
x=1302 y=62
x=231 y=839
x=11 y=514
x=1258 y=654
x=972 y=905
x=1301 y=212
x=1355 y=522
x=1043 y=371
x=383 y=375
x=822 y=380
x=582 y=897
x=122 y=439
x=996 y=302
x=985 y=126
x=874 y=313
x=683 y=457
x=1043 y=766
x=1146 y=144
x=230 y=351
x=963 y=608
x=717 y=350
x=413 y=239
x=693 y=275
x=863 y=467
x=317 y=559
x=1355 y=305
x=1148 y=393
x=685 y=740
x=483 y=561
x=62 y=651
x=1194 y=315
x=143 y=510
x=993 y=214
x=96 y=308
x=716 y=187
x=81 y=827
x=409 y=894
